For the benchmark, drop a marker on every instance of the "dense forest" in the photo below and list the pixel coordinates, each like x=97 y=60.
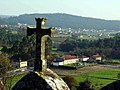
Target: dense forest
x=17 y=45
x=66 y=21
x=9 y=35
x=23 y=49
x=108 y=48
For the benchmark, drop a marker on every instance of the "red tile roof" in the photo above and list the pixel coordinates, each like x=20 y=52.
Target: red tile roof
x=68 y=57
x=83 y=57
x=95 y=56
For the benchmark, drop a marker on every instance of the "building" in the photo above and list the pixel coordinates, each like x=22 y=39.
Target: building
x=66 y=59
x=21 y=65
x=58 y=62
x=96 y=58
x=69 y=59
x=84 y=58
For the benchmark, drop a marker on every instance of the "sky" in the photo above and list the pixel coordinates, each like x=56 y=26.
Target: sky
x=104 y=9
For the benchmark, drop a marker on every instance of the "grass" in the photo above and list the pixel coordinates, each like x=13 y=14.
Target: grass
x=13 y=80
x=118 y=61
x=61 y=35
x=54 y=49
x=0 y=49
x=113 y=62
x=99 y=78
x=73 y=65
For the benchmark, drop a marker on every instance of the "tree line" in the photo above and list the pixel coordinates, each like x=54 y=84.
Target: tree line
x=21 y=49
x=9 y=35
x=109 y=48
x=18 y=46
x=25 y=49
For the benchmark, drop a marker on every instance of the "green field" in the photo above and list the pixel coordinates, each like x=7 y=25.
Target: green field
x=12 y=80
x=99 y=78
x=61 y=35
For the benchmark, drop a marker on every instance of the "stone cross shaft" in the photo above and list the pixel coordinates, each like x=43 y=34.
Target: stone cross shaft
x=40 y=31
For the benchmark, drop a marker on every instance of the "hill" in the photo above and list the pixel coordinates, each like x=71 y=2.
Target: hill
x=2 y=21
x=4 y=16
x=66 y=21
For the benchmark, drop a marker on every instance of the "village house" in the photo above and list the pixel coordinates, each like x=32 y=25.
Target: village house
x=58 y=62
x=96 y=58
x=69 y=59
x=20 y=65
x=84 y=58
x=66 y=59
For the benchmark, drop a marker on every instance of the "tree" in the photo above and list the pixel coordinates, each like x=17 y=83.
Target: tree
x=4 y=49
x=51 y=58
x=86 y=85
x=108 y=47
x=118 y=75
x=70 y=81
x=5 y=66
x=24 y=49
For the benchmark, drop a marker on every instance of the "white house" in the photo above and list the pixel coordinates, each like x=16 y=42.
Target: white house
x=23 y=64
x=84 y=58
x=96 y=58
x=69 y=59
x=58 y=62
x=66 y=59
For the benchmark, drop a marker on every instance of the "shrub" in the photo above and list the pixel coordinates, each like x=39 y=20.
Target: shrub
x=70 y=81
x=118 y=76
x=86 y=85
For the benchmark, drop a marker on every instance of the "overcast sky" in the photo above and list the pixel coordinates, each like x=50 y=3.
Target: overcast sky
x=104 y=9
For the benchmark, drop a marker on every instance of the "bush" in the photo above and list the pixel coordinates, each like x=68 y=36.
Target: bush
x=86 y=85
x=70 y=81
x=118 y=76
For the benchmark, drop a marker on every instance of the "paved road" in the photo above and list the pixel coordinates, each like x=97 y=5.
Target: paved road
x=111 y=66
x=16 y=73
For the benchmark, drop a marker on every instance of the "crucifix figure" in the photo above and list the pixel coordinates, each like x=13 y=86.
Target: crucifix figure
x=40 y=63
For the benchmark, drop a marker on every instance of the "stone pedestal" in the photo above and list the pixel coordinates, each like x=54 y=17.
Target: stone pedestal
x=47 y=80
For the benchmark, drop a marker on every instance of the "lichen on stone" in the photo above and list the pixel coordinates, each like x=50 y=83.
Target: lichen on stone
x=41 y=81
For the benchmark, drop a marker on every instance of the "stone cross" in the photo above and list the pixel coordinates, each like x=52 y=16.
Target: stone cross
x=41 y=33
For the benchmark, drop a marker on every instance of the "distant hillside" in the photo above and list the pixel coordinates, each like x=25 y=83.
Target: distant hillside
x=67 y=21
x=4 y=16
x=2 y=21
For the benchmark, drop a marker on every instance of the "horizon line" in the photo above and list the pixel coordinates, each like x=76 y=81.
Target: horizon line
x=10 y=15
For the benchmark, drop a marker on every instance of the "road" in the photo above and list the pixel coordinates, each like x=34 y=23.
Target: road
x=111 y=66
x=16 y=73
